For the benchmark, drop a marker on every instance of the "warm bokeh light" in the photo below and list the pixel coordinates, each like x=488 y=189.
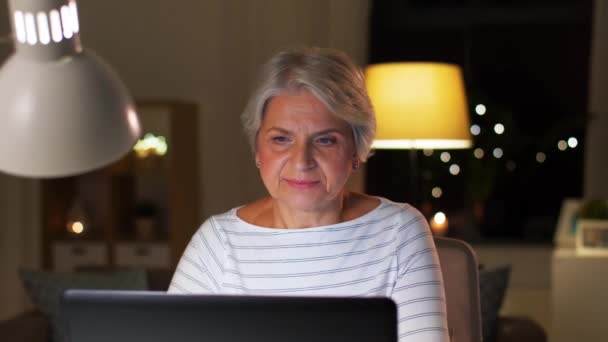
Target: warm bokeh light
x=427 y=152
x=478 y=153
x=454 y=169
x=562 y=145
x=541 y=157
x=439 y=224
x=475 y=129
x=439 y=217
x=499 y=128
x=480 y=109
x=497 y=152
x=76 y=227
x=445 y=157
x=436 y=192
x=149 y=145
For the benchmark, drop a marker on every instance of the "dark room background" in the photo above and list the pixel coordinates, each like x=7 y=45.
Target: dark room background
x=527 y=62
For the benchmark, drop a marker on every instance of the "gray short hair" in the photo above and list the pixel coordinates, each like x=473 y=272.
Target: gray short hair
x=329 y=75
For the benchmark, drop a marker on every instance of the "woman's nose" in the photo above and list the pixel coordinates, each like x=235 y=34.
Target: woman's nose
x=303 y=157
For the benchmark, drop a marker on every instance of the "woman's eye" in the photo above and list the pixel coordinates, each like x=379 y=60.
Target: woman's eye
x=280 y=139
x=327 y=140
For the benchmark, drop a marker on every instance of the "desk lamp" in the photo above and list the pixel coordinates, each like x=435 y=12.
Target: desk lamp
x=63 y=111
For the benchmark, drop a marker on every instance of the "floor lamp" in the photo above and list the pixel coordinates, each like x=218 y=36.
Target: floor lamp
x=418 y=106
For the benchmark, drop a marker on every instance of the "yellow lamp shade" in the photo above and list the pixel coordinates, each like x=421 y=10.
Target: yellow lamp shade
x=418 y=106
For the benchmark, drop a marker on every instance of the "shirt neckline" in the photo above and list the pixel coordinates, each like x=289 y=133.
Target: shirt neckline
x=233 y=213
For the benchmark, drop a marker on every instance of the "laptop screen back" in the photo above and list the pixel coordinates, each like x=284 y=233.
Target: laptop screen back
x=121 y=316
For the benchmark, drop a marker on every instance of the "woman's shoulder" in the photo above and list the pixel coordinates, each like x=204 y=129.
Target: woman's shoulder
x=401 y=214
x=357 y=205
x=382 y=206
x=217 y=224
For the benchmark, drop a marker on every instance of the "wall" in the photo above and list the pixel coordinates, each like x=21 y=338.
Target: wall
x=209 y=52
x=203 y=51
x=596 y=154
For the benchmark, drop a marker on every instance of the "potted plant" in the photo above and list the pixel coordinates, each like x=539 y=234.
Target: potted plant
x=594 y=209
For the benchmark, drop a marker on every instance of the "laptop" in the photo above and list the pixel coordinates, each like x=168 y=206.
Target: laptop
x=131 y=316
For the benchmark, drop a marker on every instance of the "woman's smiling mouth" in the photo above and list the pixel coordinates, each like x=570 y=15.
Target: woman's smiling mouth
x=301 y=184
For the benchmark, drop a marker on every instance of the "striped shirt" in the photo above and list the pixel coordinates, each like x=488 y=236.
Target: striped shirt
x=387 y=252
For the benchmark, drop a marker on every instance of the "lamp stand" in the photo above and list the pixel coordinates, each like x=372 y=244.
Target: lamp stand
x=414 y=187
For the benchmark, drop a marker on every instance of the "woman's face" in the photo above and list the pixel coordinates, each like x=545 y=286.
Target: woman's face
x=306 y=154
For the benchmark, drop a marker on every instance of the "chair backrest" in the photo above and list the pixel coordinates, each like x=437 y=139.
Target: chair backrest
x=461 y=278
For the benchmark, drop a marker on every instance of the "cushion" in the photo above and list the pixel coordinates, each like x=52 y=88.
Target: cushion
x=45 y=290
x=492 y=287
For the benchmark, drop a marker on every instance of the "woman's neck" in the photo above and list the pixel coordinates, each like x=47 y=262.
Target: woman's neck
x=289 y=218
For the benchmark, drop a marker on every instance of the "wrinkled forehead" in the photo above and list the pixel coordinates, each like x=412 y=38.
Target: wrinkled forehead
x=301 y=109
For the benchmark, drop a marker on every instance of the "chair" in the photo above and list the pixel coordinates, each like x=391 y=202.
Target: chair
x=461 y=278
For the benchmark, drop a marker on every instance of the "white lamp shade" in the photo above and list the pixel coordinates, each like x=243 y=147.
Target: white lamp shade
x=63 y=117
x=418 y=105
x=63 y=111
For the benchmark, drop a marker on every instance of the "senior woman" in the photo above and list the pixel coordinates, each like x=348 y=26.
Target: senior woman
x=311 y=124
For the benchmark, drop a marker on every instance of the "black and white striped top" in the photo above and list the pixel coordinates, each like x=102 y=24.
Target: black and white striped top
x=387 y=252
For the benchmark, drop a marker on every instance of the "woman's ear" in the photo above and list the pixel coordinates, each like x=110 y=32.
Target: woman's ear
x=356 y=164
